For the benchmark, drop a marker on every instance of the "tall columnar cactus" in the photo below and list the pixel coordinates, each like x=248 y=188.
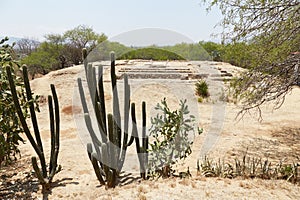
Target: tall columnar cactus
x=109 y=143
x=45 y=176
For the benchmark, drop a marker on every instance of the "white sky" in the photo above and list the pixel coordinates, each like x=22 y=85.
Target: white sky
x=36 y=18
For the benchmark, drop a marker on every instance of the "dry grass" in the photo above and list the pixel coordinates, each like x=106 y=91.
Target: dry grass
x=249 y=167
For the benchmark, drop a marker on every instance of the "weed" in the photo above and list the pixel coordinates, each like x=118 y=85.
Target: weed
x=248 y=167
x=202 y=89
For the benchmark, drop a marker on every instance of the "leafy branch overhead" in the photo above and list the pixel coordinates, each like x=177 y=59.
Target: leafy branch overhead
x=272 y=29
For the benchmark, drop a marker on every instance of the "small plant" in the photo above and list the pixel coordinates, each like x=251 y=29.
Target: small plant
x=170 y=132
x=200 y=100
x=248 y=167
x=44 y=175
x=202 y=89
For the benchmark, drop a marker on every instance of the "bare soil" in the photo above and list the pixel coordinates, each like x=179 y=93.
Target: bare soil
x=277 y=137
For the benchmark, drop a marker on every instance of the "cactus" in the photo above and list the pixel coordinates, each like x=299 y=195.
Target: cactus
x=45 y=176
x=142 y=151
x=110 y=148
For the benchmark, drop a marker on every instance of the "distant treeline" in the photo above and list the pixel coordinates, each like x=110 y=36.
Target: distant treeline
x=60 y=51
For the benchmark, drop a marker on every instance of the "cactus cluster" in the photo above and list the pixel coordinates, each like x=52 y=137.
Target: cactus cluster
x=109 y=143
x=45 y=176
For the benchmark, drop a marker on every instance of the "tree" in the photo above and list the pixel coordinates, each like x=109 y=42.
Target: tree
x=59 y=51
x=81 y=37
x=213 y=49
x=26 y=46
x=272 y=27
x=44 y=59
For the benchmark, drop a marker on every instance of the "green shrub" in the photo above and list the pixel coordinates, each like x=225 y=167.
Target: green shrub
x=202 y=89
x=170 y=138
x=10 y=127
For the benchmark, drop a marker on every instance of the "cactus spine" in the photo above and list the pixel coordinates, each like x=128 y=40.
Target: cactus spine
x=45 y=176
x=110 y=148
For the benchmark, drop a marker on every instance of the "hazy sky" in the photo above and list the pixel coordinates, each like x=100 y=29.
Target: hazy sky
x=35 y=18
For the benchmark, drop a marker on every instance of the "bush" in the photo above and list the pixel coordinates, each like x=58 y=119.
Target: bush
x=170 y=138
x=202 y=89
x=10 y=127
x=9 y=124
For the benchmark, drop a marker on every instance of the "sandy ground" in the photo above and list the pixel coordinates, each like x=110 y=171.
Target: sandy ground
x=276 y=137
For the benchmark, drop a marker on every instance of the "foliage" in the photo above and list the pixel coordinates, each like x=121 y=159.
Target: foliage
x=44 y=59
x=59 y=51
x=170 y=132
x=182 y=51
x=238 y=54
x=248 y=167
x=213 y=49
x=202 y=89
x=81 y=37
x=10 y=128
x=151 y=54
x=189 y=51
x=271 y=28
x=102 y=51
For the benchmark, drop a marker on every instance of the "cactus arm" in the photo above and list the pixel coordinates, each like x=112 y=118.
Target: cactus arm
x=82 y=97
x=131 y=140
x=116 y=106
x=112 y=146
x=134 y=128
x=145 y=142
x=54 y=156
x=113 y=70
x=126 y=109
x=102 y=98
x=31 y=109
x=86 y=112
x=95 y=163
x=97 y=168
x=88 y=123
x=52 y=130
x=109 y=173
x=38 y=172
x=126 y=121
x=135 y=135
x=141 y=150
x=57 y=117
x=105 y=158
x=85 y=61
x=23 y=121
x=116 y=112
x=91 y=83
